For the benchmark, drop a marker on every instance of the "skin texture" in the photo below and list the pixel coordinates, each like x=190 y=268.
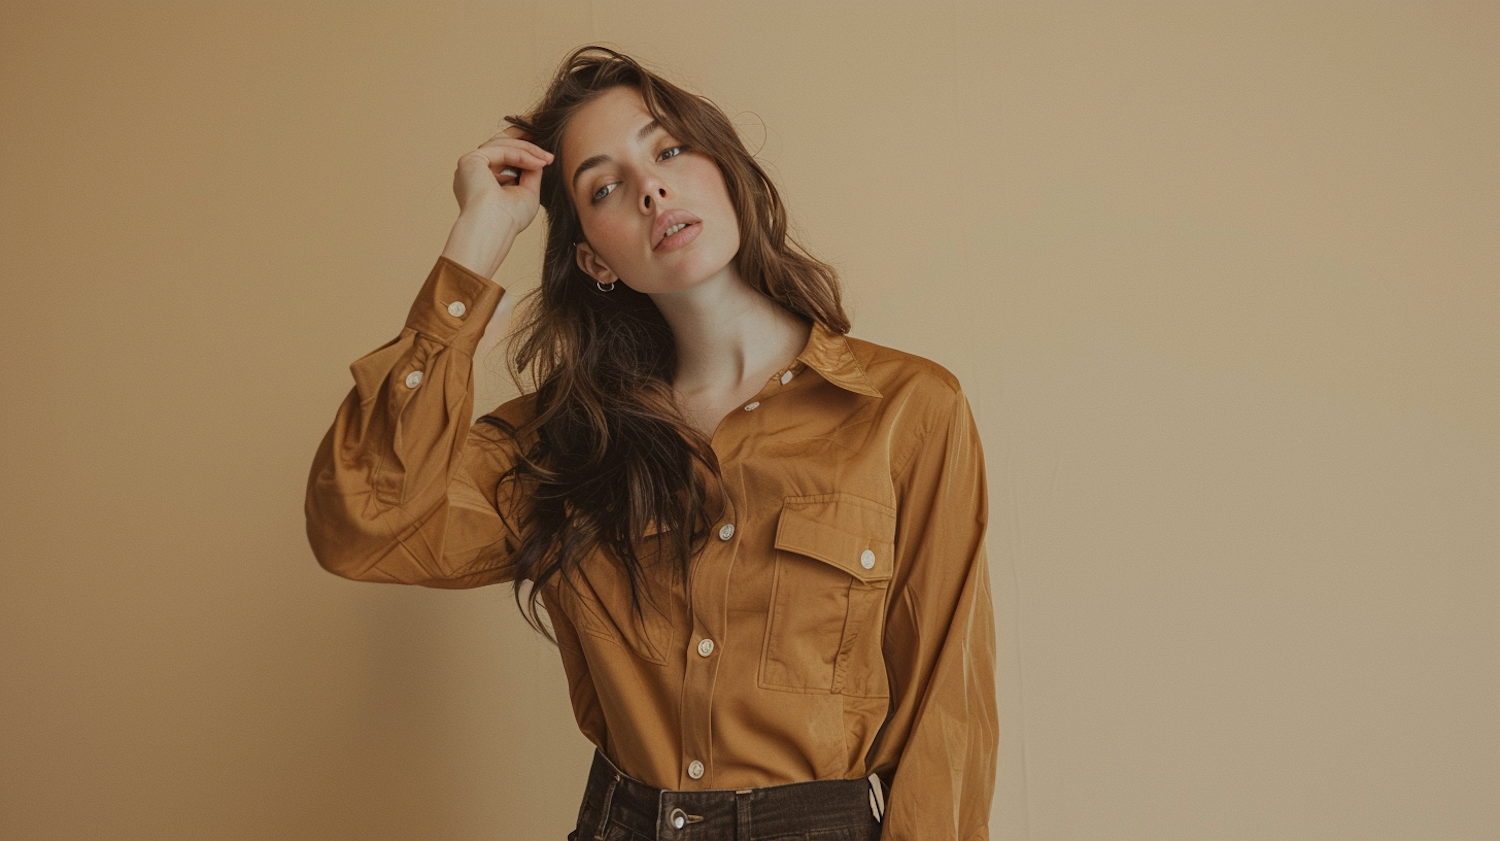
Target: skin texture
x=620 y=200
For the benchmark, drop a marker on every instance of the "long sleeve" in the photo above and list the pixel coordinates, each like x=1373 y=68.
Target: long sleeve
x=402 y=488
x=938 y=749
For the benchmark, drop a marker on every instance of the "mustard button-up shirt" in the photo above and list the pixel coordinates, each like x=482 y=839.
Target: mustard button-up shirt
x=837 y=623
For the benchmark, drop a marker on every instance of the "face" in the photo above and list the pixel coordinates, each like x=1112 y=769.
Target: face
x=656 y=214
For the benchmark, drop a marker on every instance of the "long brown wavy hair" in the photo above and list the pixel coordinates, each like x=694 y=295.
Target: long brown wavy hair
x=610 y=456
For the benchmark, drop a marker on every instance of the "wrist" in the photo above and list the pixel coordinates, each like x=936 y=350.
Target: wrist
x=479 y=242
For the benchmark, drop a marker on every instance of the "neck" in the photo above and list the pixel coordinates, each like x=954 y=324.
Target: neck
x=728 y=334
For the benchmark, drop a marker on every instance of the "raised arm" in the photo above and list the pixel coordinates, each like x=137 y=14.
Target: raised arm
x=402 y=488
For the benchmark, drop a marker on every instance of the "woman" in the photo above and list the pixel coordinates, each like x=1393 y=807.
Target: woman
x=758 y=542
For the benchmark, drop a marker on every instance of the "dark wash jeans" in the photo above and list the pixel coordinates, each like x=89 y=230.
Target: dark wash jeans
x=618 y=807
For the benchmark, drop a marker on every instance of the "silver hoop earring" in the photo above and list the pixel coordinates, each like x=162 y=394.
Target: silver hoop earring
x=603 y=288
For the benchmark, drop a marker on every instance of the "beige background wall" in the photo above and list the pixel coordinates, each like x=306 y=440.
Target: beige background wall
x=1220 y=278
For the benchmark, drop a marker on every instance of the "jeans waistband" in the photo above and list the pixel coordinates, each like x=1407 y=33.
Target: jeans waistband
x=790 y=809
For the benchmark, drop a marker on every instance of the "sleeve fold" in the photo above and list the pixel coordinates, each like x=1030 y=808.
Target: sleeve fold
x=402 y=488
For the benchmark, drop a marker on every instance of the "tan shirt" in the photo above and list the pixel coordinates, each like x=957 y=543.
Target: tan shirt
x=837 y=623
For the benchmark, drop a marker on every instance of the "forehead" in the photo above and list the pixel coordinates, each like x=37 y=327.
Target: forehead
x=605 y=125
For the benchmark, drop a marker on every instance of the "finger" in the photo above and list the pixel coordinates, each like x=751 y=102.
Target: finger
x=531 y=179
x=501 y=156
x=515 y=136
x=512 y=143
x=475 y=165
x=505 y=155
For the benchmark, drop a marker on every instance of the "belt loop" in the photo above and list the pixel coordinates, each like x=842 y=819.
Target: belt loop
x=742 y=827
x=609 y=794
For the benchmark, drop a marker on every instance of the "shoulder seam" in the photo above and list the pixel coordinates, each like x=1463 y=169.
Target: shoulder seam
x=926 y=431
x=936 y=370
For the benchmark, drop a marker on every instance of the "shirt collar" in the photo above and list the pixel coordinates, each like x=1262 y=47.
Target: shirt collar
x=828 y=353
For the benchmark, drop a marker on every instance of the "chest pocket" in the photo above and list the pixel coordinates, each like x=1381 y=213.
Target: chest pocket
x=834 y=557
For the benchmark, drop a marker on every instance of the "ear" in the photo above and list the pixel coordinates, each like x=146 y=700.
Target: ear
x=592 y=265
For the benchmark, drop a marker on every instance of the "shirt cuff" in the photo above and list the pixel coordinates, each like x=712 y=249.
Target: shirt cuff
x=454 y=306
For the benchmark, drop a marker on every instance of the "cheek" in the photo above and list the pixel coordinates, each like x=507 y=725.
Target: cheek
x=709 y=182
x=732 y=229
x=606 y=235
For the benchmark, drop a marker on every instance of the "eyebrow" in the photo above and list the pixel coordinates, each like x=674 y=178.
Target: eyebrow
x=596 y=160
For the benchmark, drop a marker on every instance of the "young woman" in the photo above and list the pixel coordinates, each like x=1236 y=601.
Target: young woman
x=758 y=542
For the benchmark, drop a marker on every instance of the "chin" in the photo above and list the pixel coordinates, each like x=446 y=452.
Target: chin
x=704 y=265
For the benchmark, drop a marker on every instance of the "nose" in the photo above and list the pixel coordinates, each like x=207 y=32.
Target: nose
x=653 y=193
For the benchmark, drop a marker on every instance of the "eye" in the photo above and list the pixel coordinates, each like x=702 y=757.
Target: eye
x=666 y=154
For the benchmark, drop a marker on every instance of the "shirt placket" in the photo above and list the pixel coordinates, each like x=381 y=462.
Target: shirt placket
x=708 y=590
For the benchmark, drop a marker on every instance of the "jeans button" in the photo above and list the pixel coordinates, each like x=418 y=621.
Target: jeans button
x=677 y=818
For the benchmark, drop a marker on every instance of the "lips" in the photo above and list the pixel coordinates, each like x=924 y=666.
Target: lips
x=667 y=221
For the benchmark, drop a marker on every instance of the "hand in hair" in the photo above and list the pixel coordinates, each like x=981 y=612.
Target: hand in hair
x=494 y=206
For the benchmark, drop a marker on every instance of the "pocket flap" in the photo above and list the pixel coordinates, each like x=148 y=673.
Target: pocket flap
x=846 y=531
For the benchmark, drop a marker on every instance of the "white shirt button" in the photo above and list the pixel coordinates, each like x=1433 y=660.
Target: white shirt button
x=457 y=309
x=695 y=770
x=786 y=378
x=706 y=647
x=726 y=531
x=867 y=559
x=750 y=407
x=414 y=379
